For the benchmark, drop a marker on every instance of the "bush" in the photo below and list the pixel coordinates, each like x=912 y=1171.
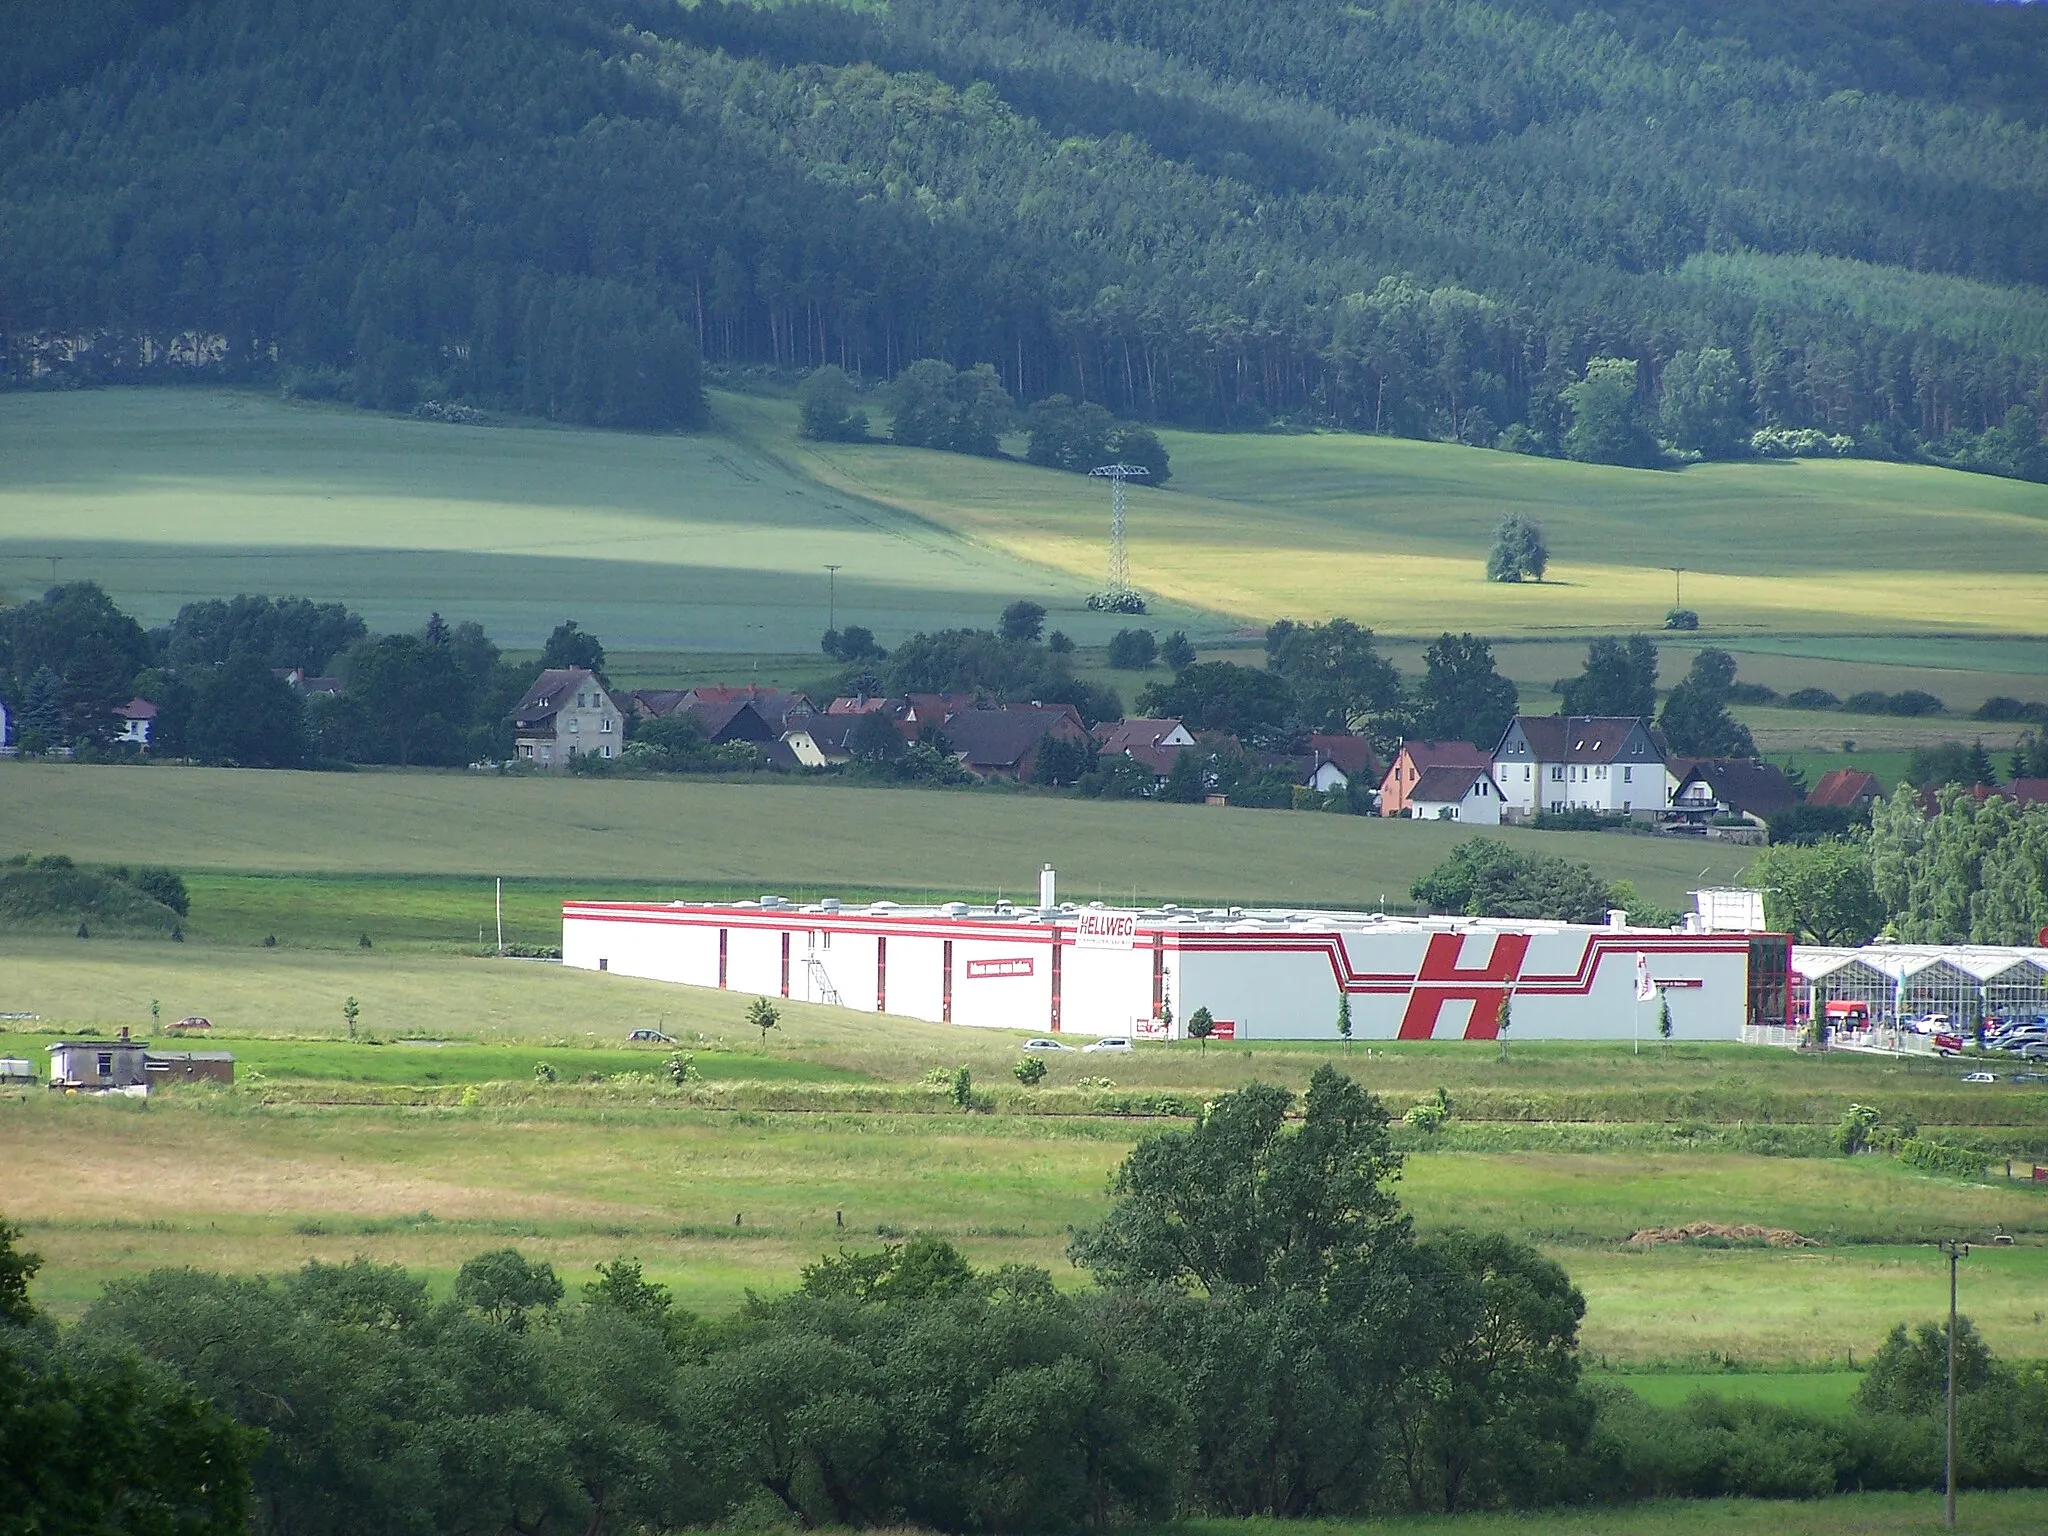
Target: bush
x=1912 y=703
x=163 y=885
x=1133 y=650
x=1681 y=618
x=1812 y=698
x=1751 y=693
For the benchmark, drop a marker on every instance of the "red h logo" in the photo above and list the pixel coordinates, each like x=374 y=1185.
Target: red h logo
x=1441 y=981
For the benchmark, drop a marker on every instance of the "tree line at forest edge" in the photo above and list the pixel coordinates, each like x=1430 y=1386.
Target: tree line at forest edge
x=1266 y=1335
x=1625 y=233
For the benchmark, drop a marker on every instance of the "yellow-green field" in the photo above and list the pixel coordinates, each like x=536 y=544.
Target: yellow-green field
x=715 y=541
x=1394 y=533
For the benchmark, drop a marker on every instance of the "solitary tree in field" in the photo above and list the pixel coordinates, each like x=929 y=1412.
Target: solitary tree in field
x=1519 y=552
x=1200 y=1027
x=1344 y=1017
x=764 y=1016
x=351 y=1010
x=1501 y=1021
x=1664 y=1019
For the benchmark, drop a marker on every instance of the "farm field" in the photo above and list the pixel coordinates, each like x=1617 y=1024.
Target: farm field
x=1316 y=525
x=713 y=542
x=741 y=839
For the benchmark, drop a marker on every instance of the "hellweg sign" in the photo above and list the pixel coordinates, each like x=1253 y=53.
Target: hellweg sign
x=1100 y=929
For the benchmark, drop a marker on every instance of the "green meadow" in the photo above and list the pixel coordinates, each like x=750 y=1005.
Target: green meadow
x=714 y=542
x=437 y=1140
x=793 y=837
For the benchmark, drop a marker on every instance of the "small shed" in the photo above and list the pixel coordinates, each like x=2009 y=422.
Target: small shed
x=16 y=1073
x=161 y=1067
x=98 y=1066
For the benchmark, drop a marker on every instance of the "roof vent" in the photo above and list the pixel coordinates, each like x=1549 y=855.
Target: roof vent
x=954 y=909
x=829 y=904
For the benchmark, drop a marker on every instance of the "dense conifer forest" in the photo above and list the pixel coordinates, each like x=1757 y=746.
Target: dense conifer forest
x=1815 y=219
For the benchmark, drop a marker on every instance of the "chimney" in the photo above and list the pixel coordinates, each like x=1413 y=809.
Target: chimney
x=1617 y=917
x=124 y=1034
x=1048 y=897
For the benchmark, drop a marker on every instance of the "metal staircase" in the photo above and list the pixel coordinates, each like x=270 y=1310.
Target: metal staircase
x=821 y=983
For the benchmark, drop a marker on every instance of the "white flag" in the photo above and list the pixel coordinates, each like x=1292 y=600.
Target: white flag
x=1646 y=989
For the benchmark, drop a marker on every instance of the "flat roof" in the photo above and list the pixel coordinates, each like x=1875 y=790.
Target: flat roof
x=1164 y=917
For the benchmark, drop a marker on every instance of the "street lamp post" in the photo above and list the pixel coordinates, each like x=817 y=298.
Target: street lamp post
x=1955 y=1252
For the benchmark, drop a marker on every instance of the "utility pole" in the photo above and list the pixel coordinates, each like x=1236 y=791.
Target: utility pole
x=1954 y=1251
x=831 y=597
x=1678 y=586
x=501 y=915
x=1119 y=589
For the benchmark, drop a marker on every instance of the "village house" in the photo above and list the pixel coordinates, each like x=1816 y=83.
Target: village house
x=136 y=717
x=566 y=714
x=1414 y=759
x=1723 y=789
x=1456 y=794
x=1847 y=789
x=1338 y=760
x=1613 y=764
x=1004 y=743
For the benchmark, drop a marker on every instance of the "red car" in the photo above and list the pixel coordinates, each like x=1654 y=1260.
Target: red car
x=1948 y=1045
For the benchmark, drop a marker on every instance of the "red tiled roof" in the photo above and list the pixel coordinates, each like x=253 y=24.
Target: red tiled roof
x=1845 y=787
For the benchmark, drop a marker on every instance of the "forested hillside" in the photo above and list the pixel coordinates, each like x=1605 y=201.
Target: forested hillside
x=1424 y=217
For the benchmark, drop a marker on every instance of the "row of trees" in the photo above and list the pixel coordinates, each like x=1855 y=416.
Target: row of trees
x=438 y=696
x=1467 y=220
x=1267 y=1336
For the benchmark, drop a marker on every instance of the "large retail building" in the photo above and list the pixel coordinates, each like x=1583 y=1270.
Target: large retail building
x=1262 y=974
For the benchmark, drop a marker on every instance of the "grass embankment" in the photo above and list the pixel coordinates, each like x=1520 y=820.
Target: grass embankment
x=795 y=837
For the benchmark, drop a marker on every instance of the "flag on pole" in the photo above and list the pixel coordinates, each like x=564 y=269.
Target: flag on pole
x=1646 y=989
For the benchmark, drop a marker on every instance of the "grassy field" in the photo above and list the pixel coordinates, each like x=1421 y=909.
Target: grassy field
x=714 y=542
x=792 y=837
x=1861 y=1514
x=717 y=1202
x=297 y=1161
x=653 y=542
x=1394 y=533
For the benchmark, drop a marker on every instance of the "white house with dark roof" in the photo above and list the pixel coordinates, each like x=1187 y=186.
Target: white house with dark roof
x=1455 y=794
x=1613 y=764
x=568 y=713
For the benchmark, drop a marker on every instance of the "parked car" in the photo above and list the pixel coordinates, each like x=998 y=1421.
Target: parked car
x=1980 y=1077
x=1042 y=1044
x=1948 y=1045
x=2033 y=1050
x=652 y=1034
x=1109 y=1043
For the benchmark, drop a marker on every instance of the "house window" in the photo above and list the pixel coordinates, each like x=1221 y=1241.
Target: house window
x=1525 y=773
x=607 y=749
x=546 y=753
x=1628 y=775
x=605 y=725
x=1556 y=773
x=574 y=725
x=106 y=1064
